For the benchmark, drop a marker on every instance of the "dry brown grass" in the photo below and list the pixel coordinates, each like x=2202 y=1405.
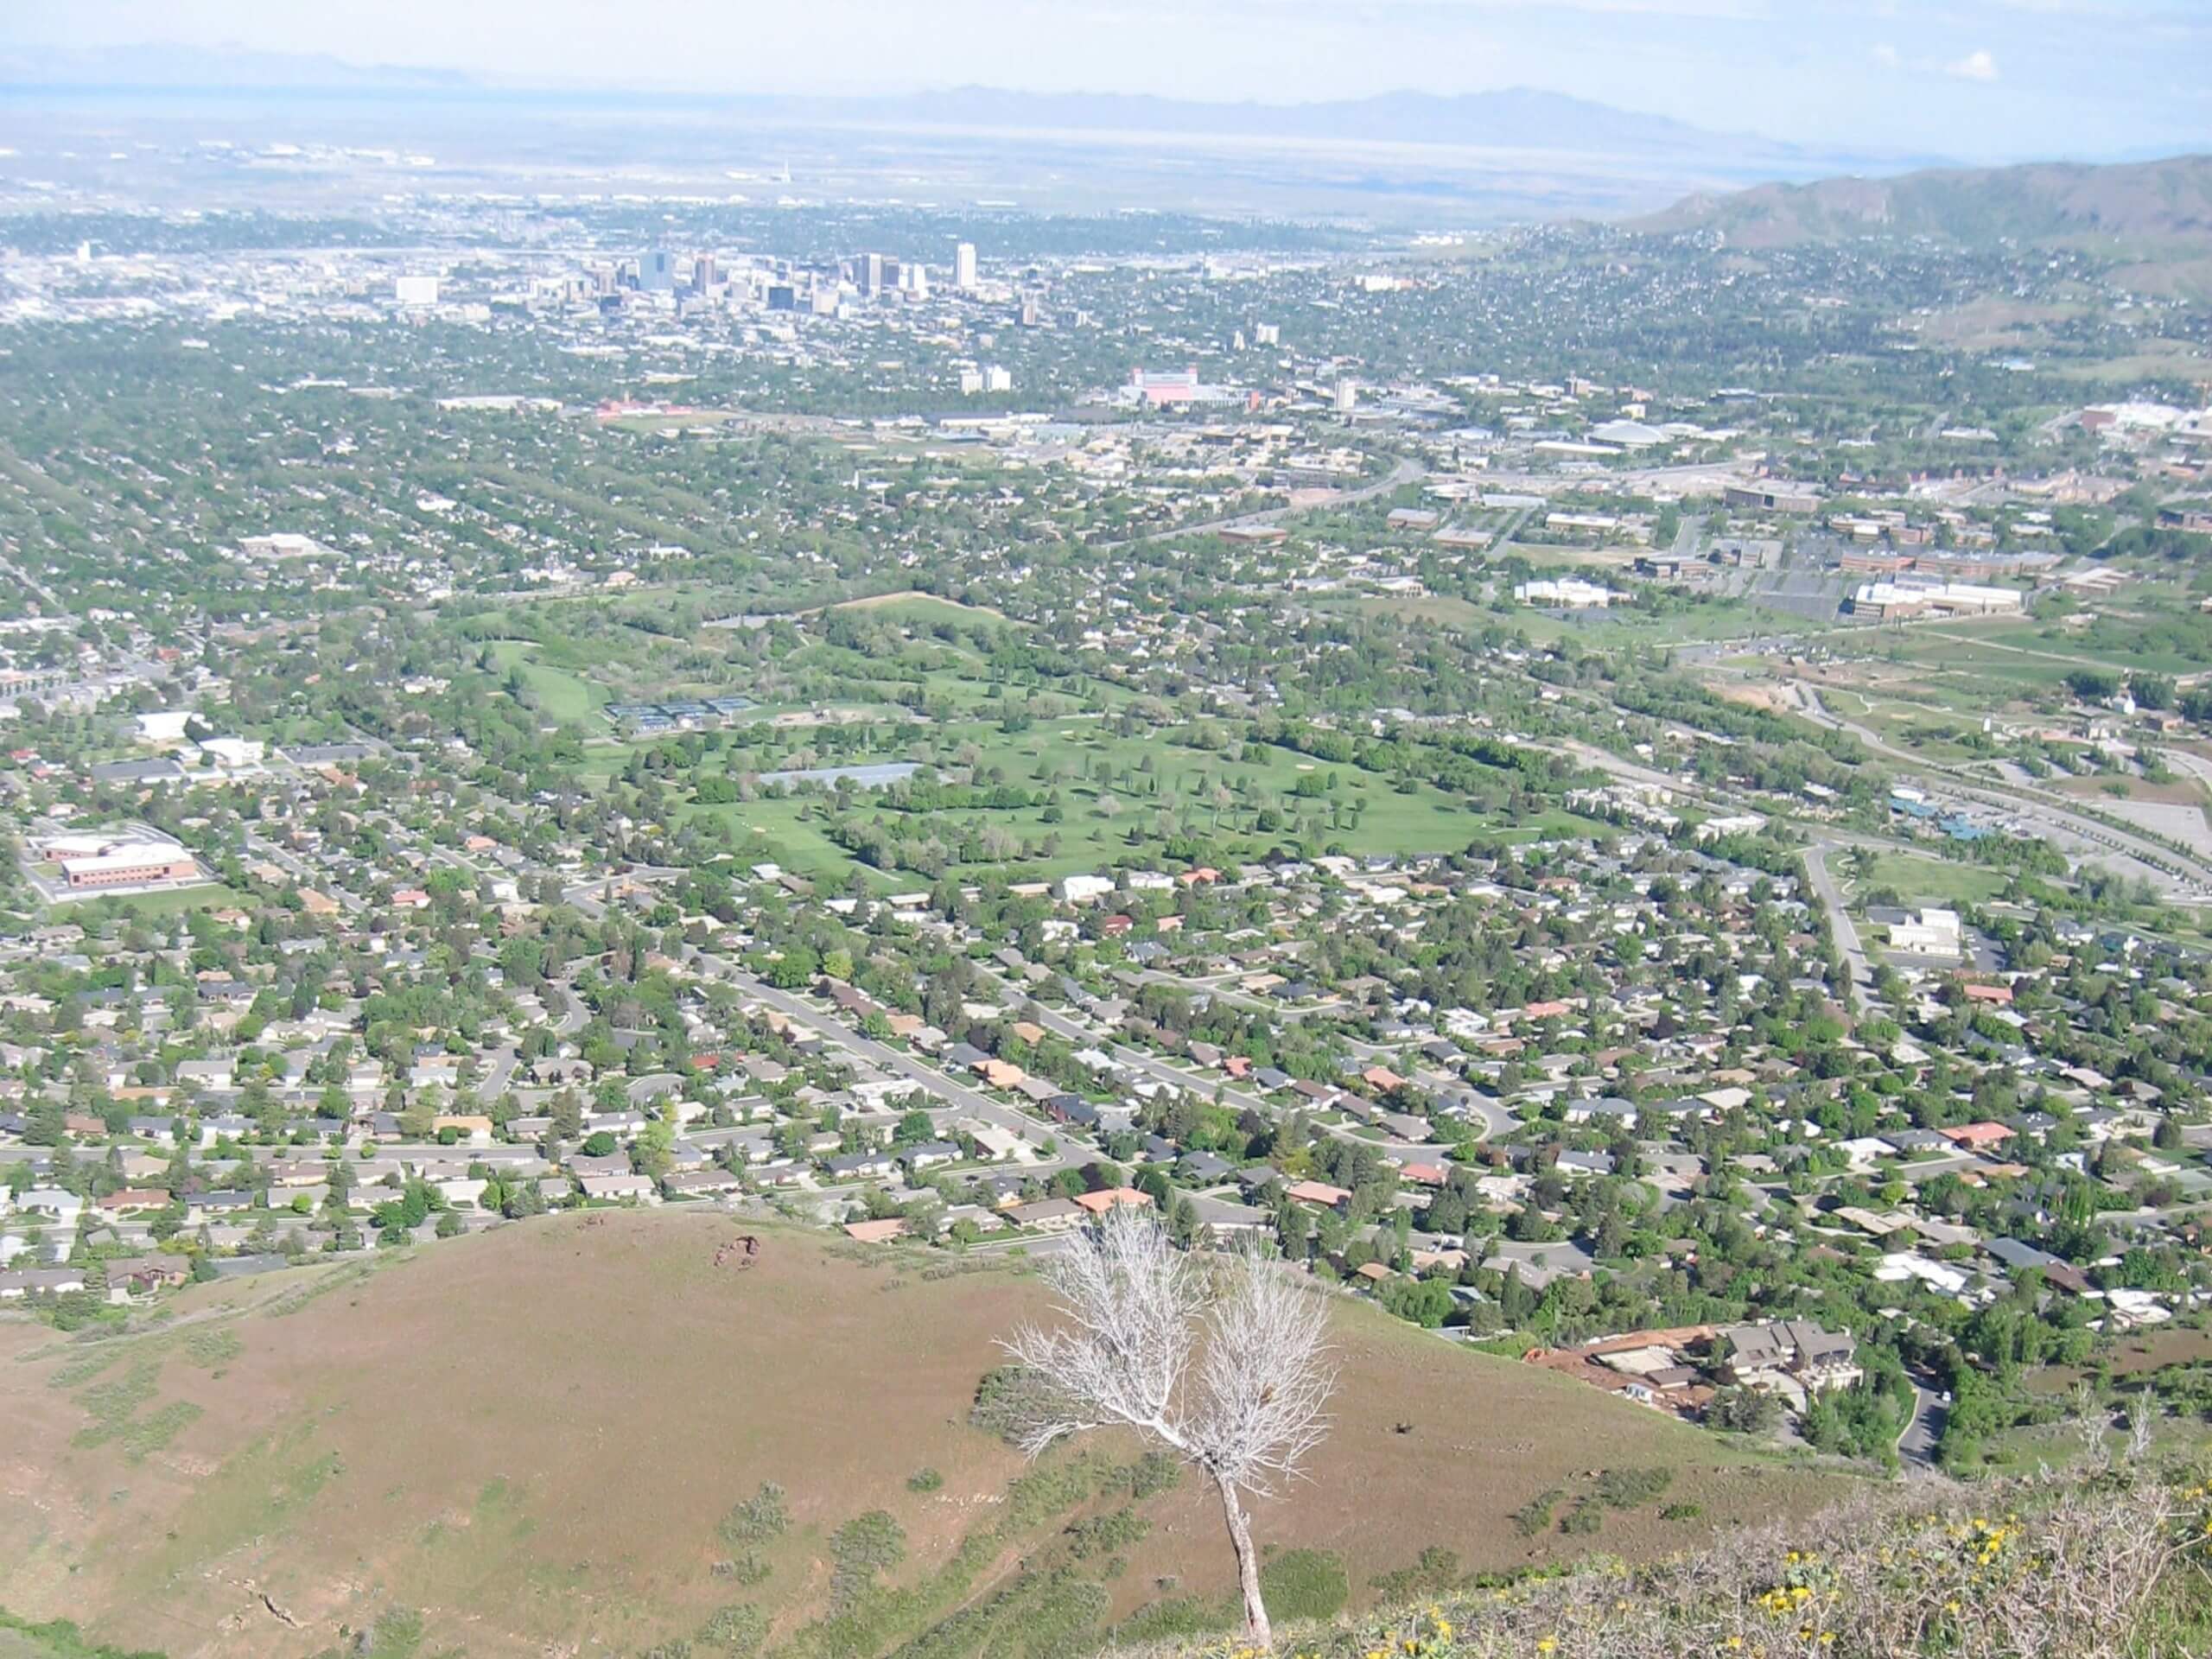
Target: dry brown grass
x=531 y=1436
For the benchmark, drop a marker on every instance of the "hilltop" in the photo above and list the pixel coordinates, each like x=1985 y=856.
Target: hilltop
x=2141 y=204
x=564 y=1431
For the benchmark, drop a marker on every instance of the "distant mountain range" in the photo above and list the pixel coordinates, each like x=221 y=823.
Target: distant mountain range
x=198 y=69
x=2160 y=202
x=1520 y=119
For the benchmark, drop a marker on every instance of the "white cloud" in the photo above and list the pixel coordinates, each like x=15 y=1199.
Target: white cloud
x=1886 y=55
x=1975 y=66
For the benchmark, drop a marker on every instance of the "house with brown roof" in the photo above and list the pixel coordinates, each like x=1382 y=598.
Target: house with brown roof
x=881 y=1231
x=1112 y=1197
x=131 y=1201
x=1048 y=1215
x=1977 y=1137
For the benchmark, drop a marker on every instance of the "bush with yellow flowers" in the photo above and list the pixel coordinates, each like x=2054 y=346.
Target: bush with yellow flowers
x=2048 y=1567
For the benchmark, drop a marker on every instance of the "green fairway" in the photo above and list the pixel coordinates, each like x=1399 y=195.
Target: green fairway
x=559 y=694
x=1097 y=798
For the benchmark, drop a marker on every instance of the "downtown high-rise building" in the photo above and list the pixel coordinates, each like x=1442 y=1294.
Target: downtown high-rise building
x=964 y=267
x=657 y=270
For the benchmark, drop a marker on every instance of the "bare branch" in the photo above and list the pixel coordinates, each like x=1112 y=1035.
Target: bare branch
x=1129 y=1297
x=1133 y=1306
x=1267 y=1377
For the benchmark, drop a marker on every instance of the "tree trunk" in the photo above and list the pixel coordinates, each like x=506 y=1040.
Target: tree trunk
x=1248 y=1568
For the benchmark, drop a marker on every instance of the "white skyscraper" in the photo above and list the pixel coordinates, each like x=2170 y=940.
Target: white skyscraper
x=963 y=266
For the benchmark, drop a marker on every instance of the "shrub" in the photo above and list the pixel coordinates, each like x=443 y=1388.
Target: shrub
x=1625 y=1489
x=1103 y=1534
x=865 y=1546
x=757 y=1519
x=1153 y=1472
x=1436 y=1571
x=925 y=1480
x=2105 y=1567
x=1005 y=1398
x=737 y=1629
x=1179 y=1618
x=1745 y=1411
x=1306 y=1584
x=1535 y=1515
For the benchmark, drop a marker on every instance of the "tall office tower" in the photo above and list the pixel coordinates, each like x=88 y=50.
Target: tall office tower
x=656 y=271
x=702 y=272
x=1032 y=313
x=964 y=267
x=604 y=280
x=871 y=274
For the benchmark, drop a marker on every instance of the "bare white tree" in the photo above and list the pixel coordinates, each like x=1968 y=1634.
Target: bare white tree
x=1138 y=1313
x=2142 y=1420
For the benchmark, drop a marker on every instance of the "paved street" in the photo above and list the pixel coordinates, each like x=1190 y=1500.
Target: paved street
x=1839 y=923
x=968 y=1100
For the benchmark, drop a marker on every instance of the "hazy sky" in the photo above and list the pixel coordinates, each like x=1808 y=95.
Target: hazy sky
x=1969 y=78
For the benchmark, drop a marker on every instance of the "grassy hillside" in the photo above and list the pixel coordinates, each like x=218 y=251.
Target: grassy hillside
x=572 y=1433
x=2142 y=205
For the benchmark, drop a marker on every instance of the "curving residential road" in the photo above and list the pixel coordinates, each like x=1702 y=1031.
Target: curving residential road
x=1841 y=925
x=1924 y=1431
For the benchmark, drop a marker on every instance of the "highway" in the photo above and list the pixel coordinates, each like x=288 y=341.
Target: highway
x=2188 y=878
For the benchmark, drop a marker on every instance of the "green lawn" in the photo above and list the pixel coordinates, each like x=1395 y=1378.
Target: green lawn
x=561 y=694
x=1927 y=880
x=1714 y=619
x=926 y=610
x=1118 y=795
x=213 y=896
x=1443 y=609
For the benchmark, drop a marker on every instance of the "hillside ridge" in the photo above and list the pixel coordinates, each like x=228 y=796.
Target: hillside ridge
x=2168 y=201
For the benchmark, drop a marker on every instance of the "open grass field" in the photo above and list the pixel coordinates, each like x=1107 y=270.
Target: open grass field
x=211 y=895
x=532 y=1441
x=1110 y=784
x=561 y=694
x=1610 y=630
x=922 y=610
x=1444 y=610
x=1933 y=881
